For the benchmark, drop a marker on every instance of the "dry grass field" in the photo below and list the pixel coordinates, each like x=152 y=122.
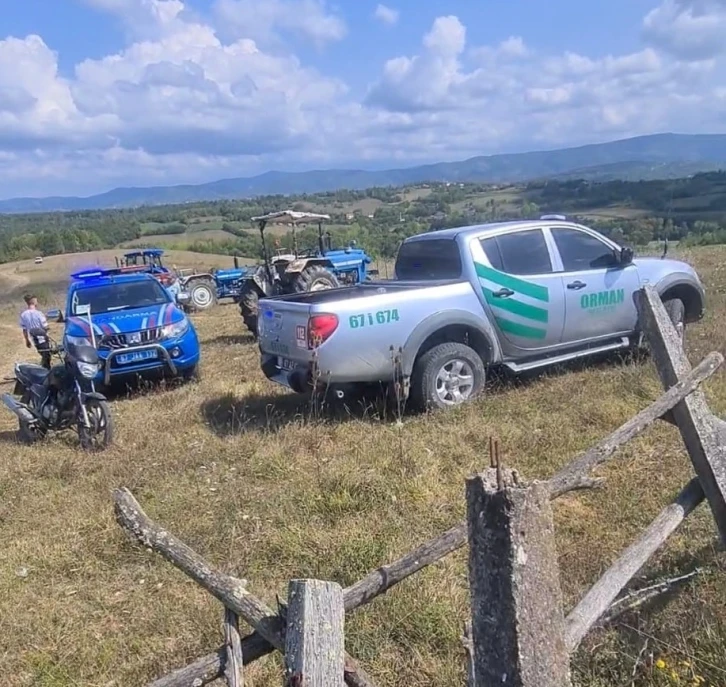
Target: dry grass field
x=266 y=490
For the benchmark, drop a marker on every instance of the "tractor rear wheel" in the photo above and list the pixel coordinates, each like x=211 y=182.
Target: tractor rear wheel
x=202 y=294
x=249 y=305
x=314 y=278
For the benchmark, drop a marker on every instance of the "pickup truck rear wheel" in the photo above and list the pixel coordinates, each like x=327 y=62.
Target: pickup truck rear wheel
x=676 y=310
x=447 y=375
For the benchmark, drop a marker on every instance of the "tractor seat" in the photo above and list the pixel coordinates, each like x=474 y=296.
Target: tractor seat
x=35 y=374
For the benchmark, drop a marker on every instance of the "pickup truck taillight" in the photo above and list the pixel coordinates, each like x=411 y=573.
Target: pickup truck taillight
x=320 y=329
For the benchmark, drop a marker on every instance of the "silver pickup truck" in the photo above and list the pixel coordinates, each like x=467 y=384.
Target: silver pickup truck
x=517 y=294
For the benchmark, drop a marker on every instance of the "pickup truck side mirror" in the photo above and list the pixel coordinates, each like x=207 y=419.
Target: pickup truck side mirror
x=626 y=256
x=182 y=298
x=55 y=314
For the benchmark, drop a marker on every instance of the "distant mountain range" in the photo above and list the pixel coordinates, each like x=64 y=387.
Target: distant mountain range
x=659 y=156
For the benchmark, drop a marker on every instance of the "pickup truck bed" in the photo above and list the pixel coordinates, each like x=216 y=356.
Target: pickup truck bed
x=347 y=293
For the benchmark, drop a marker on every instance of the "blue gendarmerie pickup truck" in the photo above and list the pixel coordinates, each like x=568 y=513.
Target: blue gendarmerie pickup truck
x=133 y=321
x=520 y=295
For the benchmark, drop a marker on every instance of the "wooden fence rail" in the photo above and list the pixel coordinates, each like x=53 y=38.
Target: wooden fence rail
x=518 y=633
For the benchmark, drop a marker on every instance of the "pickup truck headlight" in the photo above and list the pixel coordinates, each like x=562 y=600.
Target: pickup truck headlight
x=78 y=340
x=174 y=331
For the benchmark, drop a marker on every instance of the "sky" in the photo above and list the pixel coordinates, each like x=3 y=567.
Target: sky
x=96 y=94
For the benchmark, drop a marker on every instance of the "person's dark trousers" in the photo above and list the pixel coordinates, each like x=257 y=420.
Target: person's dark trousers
x=44 y=349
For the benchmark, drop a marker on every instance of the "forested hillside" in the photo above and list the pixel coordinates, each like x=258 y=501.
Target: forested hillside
x=691 y=209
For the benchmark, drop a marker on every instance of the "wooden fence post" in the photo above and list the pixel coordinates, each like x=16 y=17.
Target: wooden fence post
x=314 y=639
x=692 y=415
x=517 y=617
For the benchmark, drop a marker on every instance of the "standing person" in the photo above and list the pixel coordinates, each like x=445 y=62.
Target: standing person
x=31 y=318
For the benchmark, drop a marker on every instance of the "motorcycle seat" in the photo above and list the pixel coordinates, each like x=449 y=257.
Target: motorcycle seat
x=35 y=374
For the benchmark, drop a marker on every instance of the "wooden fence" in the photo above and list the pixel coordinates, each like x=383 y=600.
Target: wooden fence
x=518 y=633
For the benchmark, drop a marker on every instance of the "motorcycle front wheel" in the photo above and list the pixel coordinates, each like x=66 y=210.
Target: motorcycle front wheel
x=99 y=434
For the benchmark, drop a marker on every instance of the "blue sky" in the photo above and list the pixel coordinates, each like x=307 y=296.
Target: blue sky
x=100 y=93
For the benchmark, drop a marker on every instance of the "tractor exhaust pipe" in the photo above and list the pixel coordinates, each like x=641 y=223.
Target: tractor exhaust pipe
x=18 y=408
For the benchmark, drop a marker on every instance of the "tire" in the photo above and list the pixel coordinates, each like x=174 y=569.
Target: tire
x=190 y=374
x=101 y=434
x=676 y=310
x=249 y=306
x=202 y=294
x=29 y=434
x=314 y=278
x=428 y=385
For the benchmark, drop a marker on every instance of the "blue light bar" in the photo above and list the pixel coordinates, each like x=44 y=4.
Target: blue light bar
x=95 y=273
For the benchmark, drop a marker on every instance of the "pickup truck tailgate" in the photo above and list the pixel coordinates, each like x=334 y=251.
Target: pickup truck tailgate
x=283 y=330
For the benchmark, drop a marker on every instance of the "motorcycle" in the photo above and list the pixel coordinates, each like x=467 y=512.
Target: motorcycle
x=61 y=398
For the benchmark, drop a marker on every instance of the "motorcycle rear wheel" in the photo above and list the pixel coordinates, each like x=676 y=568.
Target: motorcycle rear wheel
x=29 y=433
x=99 y=435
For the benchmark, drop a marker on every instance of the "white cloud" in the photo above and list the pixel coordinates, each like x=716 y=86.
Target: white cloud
x=262 y=20
x=144 y=19
x=192 y=99
x=426 y=81
x=386 y=15
x=688 y=29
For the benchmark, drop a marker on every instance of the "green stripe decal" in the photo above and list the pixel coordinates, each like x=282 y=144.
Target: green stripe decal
x=522 y=330
x=529 y=312
x=526 y=288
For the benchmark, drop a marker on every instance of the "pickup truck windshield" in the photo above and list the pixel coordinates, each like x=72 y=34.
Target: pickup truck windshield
x=112 y=297
x=428 y=259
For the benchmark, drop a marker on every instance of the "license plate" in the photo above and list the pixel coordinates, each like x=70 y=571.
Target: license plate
x=135 y=357
x=276 y=347
x=286 y=364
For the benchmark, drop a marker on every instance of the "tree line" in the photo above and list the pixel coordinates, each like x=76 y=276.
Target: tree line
x=692 y=210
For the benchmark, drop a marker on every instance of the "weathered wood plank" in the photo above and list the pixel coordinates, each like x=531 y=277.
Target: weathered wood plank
x=516 y=602
x=606 y=589
x=604 y=449
x=575 y=475
x=692 y=415
x=234 y=667
x=382 y=579
x=314 y=637
x=229 y=590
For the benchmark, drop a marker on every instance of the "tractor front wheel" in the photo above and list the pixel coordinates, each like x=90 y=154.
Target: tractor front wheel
x=202 y=294
x=249 y=306
x=315 y=278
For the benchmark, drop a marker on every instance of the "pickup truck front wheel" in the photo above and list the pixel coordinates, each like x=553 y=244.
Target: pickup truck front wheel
x=447 y=375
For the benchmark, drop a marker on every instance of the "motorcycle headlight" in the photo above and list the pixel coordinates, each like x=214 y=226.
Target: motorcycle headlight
x=173 y=331
x=78 y=340
x=87 y=370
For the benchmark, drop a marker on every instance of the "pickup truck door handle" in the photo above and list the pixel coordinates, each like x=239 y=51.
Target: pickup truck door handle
x=576 y=285
x=503 y=293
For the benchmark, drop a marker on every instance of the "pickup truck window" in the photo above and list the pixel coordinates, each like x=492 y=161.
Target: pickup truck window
x=580 y=251
x=523 y=252
x=428 y=259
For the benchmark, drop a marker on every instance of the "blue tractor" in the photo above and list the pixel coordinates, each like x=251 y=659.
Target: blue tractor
x=300 y=271
x=204 y=288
